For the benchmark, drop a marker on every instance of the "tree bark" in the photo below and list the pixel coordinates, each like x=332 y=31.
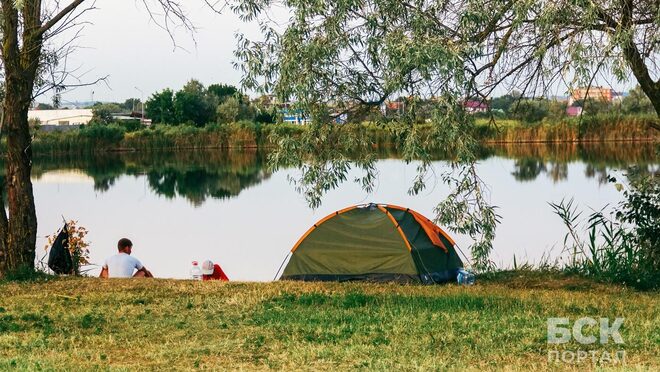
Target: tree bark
x=635 y=59
x=21 y=225
x=640 y=71
x=3 y=228
x=18 y=229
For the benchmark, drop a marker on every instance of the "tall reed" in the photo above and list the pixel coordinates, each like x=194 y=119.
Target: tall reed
x=622 y=245
x=115 y=137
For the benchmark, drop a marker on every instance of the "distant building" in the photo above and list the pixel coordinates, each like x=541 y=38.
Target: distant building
x=61 y=117
x=573 y=111
x=472 y=106
x=294 y=117
x=133 y=115
x=597 y=93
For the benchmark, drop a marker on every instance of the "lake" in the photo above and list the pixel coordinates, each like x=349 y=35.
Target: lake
x=228 y=207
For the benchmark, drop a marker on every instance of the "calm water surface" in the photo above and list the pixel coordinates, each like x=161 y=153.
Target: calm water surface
x=227 y=207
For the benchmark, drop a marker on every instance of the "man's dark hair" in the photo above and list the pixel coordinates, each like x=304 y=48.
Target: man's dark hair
x=123 y=243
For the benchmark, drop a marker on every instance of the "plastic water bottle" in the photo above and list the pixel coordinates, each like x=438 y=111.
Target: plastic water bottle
x=195 y=271
x=465 y=277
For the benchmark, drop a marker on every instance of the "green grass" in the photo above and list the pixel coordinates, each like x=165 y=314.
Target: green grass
x=500 y=323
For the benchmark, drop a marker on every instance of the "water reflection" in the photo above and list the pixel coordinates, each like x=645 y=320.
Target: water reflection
x=552 y=159
x=147 y=196
x=195 y=176
x=199 y=175
x=527 y=169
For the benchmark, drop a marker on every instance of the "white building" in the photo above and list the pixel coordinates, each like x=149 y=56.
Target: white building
x=61 y=117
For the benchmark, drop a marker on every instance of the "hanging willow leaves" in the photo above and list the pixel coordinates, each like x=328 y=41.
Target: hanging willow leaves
x=348 y=57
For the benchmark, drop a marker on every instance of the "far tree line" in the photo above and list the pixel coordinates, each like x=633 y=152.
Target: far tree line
x=198 y=105
x=194 y=104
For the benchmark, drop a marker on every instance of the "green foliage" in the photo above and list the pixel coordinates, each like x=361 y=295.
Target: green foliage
x=160 y=107
x=131 y=125
x=228 y=111
x=530 y=111
x=102 y=135
x=191 y=104
x=102 y=112
x=44 y=106
x=505 y=102
x=132 y=104
x=637 y=103
x=232 y=110
x=349 y=57
x=621 y=246
x=556 y=111
x=641 y=209
x=593 y=107
x=197 y=105
x=222 y=92
x=265 y=116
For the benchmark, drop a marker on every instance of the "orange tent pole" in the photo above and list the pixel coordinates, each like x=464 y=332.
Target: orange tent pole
x=405 y=239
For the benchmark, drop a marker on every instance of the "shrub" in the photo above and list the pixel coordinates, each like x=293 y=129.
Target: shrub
x=622 y=246
x=78 y=246
x=130 y=125
x=103 y=133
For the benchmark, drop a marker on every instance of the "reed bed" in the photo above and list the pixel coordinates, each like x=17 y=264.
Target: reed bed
x=96 y=138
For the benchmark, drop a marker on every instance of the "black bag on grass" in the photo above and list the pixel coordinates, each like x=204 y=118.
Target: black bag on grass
x=59 y=258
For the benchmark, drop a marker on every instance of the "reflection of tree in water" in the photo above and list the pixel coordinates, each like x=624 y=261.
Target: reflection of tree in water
x=558 y=171
x=527 y=169
x=196 y=176
x=553 y=159
x=598 y=171
x=199 y=175
x=198 y=184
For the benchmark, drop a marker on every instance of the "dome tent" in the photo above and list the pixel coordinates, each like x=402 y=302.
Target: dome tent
x=374 y=242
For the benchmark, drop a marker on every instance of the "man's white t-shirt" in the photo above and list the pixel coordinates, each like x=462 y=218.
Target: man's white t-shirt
x=122 y=265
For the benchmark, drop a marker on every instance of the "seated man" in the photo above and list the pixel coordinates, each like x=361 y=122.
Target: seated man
x=212 y=272
x=122 y=264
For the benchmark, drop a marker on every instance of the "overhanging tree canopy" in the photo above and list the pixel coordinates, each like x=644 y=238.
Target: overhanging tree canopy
x=345 y=56
x=367 y=51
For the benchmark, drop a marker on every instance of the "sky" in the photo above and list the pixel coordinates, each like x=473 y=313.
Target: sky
x=121 y=42
x=139 y=58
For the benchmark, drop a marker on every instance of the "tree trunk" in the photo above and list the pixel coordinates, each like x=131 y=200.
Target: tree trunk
x=3 y=228
x=636 y=60
x=20 y=227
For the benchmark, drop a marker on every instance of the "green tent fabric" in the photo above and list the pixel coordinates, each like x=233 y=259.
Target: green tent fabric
x=374 y=242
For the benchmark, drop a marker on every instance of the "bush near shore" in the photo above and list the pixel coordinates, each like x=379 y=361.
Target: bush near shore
x=499 y=323
x=244 y=134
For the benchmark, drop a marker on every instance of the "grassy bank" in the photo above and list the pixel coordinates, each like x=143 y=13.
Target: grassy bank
x=250 y=135
x=95 y=138
x=89 y=324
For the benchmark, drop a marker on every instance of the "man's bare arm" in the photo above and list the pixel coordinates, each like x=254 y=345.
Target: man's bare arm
x=143 y=272
x=104 y=272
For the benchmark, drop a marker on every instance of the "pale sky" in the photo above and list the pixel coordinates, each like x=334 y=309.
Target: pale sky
x=122 y=42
